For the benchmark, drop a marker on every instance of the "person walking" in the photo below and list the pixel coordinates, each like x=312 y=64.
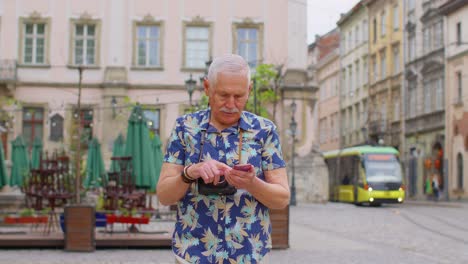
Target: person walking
x=223 y=210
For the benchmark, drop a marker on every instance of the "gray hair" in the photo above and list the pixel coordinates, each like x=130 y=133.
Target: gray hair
x=229 y=63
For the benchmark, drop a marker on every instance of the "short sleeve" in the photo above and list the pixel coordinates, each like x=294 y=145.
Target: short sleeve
x=175 y=151
x=272 y=156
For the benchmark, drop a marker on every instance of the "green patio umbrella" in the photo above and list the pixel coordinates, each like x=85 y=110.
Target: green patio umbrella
x=95 y=169
x=158 y=155
x=3 y=176
x=138 y=146
x=118 y=150
x=20 y=162
x=36 y=154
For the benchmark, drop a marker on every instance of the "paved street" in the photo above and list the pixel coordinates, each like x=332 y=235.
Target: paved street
x=328 y=233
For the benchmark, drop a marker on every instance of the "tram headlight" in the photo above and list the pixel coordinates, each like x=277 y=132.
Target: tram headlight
x=370 y=189
x=371 y=199
x=400 y=199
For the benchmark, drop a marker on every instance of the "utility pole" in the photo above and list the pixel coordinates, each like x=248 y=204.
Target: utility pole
x=78 y=144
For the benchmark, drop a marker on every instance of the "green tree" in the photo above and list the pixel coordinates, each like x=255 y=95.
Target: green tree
x=264 y=92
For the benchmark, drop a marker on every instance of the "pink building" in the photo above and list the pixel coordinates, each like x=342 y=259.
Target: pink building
x=328 y=69
x=132 y=51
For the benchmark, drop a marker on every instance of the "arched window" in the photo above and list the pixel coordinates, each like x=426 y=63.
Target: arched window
x=56 y=127
x=460 y=171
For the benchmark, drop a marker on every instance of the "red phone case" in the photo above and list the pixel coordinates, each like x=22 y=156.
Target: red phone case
x=243 y=167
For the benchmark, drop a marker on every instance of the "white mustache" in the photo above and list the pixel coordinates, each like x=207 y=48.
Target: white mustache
x=229 y=111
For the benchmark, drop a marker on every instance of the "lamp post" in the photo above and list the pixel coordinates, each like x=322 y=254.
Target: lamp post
x=190 y=86
x=114 y=106
x=78 y=144
x=293 y=128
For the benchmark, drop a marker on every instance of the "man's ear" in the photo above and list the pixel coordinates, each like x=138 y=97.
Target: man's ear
x=250 y=87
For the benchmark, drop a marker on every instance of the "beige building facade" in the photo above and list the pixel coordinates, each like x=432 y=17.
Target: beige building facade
x=385 y=71
x=456 y=100
x=354 y=75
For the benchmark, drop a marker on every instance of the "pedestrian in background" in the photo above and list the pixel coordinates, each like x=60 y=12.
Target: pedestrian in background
x=223 y=213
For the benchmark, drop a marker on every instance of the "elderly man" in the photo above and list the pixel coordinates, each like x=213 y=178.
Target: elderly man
x=223 y=214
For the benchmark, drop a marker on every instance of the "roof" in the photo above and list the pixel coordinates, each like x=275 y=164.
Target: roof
x=452 y=6
x=354 y=10
x=360 y=150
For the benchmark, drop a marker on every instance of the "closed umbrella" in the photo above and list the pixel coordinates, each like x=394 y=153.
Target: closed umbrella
x=118 y=150
x=36 y=154
x=3 y=178
x=158 y=155
x=19 y=159
x=95 y=169
x=138 y=146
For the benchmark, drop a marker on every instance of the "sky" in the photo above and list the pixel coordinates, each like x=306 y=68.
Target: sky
x=322 y=15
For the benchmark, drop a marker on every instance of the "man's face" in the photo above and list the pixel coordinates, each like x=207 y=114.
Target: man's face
x=227 y=99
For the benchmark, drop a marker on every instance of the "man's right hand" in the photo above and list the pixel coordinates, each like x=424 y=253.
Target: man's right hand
x=210 y=171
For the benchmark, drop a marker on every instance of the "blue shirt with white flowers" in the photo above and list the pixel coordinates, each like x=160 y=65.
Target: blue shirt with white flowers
x=223 y=229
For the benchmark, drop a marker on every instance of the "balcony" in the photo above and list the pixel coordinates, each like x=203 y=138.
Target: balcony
x=7 y=71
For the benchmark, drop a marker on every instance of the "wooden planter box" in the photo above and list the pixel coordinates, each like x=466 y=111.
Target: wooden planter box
x=280 y=227
x=80 y=224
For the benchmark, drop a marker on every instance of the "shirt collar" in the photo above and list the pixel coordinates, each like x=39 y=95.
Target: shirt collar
x=244 y=122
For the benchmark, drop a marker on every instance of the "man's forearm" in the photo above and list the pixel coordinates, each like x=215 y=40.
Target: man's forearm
x=171 y=189
x=272 y=195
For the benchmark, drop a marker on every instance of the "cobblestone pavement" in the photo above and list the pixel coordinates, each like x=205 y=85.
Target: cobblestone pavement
x=326 y=233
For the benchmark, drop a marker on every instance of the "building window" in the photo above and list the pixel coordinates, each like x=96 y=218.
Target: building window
x=459 y=86
x=358 y=81
x=356 y=36
x=412 y=47
x=33 y=120
x=426 y=40
x=460 y=171
x=350 y=39
x=85 y=43
x=56 y=127
x=427 y=96
x=344 y=90
x=364 y=71
x=396 y=59
x=248 y=41
x=374 y=68
x=384 y=115
x=383 y=24
x=365 y=31
x=439 y=94
x=396 y=108
x=411 y=106
x=147 y=45
x=350 y=79
x=438 y=35
x=86 y=118
x=197 y=46
x=383 y=65
x=34 y=43
x=396 y=18
x=459 y=33
x=374 y=30
x=152 y=117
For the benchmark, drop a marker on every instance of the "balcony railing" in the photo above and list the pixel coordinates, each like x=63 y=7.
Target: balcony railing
x=7 y=70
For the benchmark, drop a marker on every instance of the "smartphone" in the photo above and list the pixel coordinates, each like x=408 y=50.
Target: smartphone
x=243 y=167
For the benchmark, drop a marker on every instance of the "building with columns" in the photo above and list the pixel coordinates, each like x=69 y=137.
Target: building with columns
x=456 y=96
x=136 y=52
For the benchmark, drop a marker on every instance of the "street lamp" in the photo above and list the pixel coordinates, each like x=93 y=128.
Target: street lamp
x=293 y=128
x=114 y=106
x=190 y=86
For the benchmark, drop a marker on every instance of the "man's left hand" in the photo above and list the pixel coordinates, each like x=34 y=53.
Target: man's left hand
x=241 y=179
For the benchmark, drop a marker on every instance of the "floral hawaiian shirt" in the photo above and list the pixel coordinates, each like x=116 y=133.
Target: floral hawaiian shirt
x=223 y=228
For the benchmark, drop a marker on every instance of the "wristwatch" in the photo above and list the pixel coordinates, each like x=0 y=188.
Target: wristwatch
x=185 y=177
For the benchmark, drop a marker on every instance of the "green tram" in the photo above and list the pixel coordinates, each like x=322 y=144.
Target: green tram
x=366 y=174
